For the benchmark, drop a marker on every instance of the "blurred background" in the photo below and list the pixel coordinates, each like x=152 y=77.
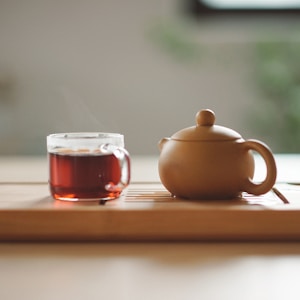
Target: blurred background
x=144 y=69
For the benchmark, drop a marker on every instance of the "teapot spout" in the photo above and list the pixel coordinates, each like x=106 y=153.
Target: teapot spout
x=162 y=142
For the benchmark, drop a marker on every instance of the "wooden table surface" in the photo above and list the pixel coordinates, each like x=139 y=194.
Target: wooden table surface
x=215 y=270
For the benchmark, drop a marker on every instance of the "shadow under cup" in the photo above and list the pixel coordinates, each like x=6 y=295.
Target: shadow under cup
x=87 y=166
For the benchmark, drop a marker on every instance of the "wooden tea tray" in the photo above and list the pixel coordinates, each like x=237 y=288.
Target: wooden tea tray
x=146 y=212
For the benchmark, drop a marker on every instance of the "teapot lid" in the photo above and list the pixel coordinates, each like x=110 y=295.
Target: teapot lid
x=205 y=130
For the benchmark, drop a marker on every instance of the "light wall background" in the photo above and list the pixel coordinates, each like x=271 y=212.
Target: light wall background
x=136 y=67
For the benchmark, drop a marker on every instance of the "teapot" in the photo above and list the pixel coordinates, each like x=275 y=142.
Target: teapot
x=209 y=161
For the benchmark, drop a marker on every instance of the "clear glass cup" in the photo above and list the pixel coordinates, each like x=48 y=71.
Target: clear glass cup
x=87 y=166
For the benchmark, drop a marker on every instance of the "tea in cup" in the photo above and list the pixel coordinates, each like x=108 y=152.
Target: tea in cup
x=87 y=166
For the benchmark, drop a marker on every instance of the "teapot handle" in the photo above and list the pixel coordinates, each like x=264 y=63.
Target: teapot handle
x=271 y=170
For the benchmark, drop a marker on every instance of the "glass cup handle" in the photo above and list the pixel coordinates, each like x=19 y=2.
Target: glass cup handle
x=124 y=161
x=123 y=158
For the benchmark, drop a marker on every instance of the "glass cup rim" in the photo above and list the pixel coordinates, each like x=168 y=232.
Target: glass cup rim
x=84 y=135
x=83 y=140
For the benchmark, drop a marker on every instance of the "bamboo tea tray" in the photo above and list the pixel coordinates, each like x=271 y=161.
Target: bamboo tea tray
x=147 y=212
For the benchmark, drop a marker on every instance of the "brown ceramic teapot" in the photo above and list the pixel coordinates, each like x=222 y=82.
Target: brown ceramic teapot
x=208 y=161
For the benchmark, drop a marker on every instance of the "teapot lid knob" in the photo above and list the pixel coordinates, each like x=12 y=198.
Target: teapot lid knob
x=205 y=117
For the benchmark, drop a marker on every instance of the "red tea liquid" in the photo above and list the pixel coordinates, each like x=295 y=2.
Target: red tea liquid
x=78 y=176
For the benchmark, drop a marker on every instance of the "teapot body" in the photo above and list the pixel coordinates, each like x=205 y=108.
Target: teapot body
x=209 y=161
x=205 y=170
